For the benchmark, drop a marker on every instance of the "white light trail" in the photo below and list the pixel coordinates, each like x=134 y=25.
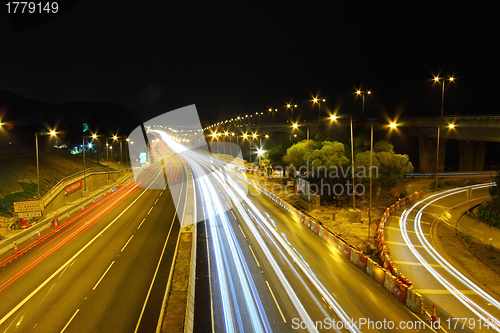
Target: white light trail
x=475 y=308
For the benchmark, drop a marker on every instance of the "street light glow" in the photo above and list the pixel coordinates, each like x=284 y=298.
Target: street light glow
x=451 y=126
x=333 y=117
x=393 y=125
x=260 y=151
x=295 y=125
x=254 y=136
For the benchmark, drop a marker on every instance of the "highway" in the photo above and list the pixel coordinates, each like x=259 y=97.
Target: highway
x=416 y=253
x=264 y=271
x=106 y=270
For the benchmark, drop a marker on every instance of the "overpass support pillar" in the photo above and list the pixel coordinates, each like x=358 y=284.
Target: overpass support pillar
x=427 y=154
x=472 y=155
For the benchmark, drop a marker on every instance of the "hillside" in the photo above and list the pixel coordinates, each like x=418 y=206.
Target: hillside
x=18 y=180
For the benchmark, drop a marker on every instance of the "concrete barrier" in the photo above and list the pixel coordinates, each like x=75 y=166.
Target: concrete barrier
x=355 y=254
x=390 y=282
x=414 y=301
x=389 y=277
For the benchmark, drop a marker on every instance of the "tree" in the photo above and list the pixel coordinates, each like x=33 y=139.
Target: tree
x=389 y=166
x=275 y=154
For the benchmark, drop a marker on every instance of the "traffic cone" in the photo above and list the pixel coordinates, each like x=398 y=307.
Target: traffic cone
x=38 y=234
x=433 y=316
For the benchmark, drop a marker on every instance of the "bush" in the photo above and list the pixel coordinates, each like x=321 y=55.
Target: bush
x=489 y=215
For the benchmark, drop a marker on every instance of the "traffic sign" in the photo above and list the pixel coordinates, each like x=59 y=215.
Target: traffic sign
x=28 y=206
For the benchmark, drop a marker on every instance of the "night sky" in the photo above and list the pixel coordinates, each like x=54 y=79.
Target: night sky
x=155 y=56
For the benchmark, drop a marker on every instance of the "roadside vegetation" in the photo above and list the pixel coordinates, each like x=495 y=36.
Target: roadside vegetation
x=489 y=212
x=333 y=161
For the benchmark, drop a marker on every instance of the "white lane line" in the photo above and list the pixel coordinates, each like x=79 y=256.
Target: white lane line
x=123 y=248
x=69 y=322
x=234 y=215
x=402 y=244
x=102 y=277
x=156 y=201
x=411 y=263
x=44 y=283
x=161 y=193
x=242 y=231
x=254 y=256
x=275 y=301
x=150 y=210
x=144 y=219
x=410 y=231
x=161 y=257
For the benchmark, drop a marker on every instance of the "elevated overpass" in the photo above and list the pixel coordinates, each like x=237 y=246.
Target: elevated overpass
x=472 y=132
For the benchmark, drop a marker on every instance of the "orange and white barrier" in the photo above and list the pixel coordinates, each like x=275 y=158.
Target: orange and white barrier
x=414 y=301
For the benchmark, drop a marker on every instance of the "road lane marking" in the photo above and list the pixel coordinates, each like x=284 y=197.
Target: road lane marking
x=410 y=231
x=69 y=322
x=161 y=257
x=156 y=201
x=123 y=248
x=150 y=210
x=414 y=263
x=402 y=244
x=275 y=301
x=144 y=219
x=254 y=256
x=43 y=284
x=242 y=231
x=209 y=270
x=444 y=291
x=102 y=277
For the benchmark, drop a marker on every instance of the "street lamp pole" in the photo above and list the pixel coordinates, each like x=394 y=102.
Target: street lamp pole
x=362 y=93
x=37 y=165
x=107 y=157
x=52 y=133
x=352 y=169
x=436 y=79
x=371 y=177
x=84 y=178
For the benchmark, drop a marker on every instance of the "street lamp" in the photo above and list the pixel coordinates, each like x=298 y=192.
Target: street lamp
x=94 y=136
x=51 y=133
x=290 y=106
x=316 y=100
x=224 y=142
x=362 y=93
x=271 y=110
x=437 y=79
x=114 y=137
x=254 y=136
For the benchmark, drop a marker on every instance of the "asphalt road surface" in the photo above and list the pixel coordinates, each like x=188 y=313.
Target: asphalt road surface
x=409 y=238
x=106 y=271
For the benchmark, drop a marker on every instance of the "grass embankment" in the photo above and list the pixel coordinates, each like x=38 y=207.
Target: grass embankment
x=18 y=177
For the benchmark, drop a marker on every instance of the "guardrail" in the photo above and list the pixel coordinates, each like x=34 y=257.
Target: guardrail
x=69 y=179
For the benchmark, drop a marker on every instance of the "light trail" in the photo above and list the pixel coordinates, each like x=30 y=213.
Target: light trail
x=214 y=206
x=471 y=305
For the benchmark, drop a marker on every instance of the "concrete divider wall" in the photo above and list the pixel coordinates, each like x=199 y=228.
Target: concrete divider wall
x=7 y=244
x=389 y=276
x=58 y=198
